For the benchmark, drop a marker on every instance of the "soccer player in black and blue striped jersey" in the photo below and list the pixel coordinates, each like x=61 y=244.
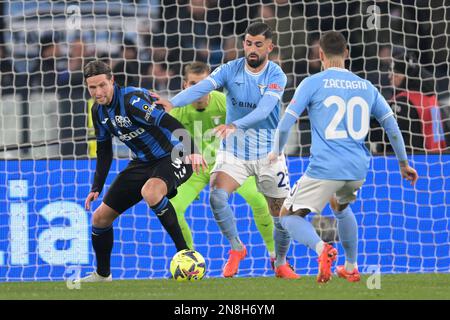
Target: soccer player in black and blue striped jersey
x=164 y=158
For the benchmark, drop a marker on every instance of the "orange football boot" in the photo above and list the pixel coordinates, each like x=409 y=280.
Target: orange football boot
x=329 y=254
x=349 y=276
x=232 y=265
x=285 y=271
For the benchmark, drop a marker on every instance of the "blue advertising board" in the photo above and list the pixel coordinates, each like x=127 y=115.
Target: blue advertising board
x=45 y=230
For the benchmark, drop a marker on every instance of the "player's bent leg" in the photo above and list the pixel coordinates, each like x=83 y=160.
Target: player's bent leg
x=104 y=216
x=273 y=182
x=282 y=240
x=187 y=193
x=154 y=193
x=348 y=235
x=261 y=214
x=221 y=186
x=311 y=195
x=302 y=231
x=102 y=241
x=347 y=228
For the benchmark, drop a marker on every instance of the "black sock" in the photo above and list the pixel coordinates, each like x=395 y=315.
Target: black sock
x=102 y=241
x=168 y=218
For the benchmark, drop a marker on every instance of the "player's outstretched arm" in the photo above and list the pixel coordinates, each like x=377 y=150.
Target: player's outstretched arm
x=224 y=130
x=385 y=117
x=167 y=105
x=191 y=94
x=295 y=108
x=281 y=136
x=262 y=111
x=408 y=172
x=396 y=139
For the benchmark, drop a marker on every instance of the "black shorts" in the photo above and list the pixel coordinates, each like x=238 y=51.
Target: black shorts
x=125 y=191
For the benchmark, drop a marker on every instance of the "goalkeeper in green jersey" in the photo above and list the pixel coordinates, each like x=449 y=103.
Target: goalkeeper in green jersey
x=200 y=118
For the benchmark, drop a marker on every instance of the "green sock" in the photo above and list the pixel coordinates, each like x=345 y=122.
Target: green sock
x=187 y=193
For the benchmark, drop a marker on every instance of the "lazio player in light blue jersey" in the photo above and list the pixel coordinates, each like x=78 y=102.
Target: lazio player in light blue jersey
x=254 y=86
x=339 y=105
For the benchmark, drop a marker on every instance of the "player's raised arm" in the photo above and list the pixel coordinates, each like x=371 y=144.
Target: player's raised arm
x=385 y=117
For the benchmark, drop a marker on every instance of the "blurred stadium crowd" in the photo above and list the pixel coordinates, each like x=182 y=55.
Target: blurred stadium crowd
x=149 y=41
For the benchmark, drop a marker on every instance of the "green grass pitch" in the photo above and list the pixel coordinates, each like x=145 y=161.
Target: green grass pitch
x=398 y=286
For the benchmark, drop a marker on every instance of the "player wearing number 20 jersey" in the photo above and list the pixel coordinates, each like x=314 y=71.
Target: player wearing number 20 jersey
x=339 y=106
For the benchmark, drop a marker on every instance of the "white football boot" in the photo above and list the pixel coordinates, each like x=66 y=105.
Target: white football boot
x=94 y=277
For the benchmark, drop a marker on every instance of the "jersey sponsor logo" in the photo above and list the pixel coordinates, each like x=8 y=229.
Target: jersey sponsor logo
x=104 y=121
x=131 y=135
x=243 y=104
x=262 y=88
x=148 y=112
x=123 y=121
x=274 y=86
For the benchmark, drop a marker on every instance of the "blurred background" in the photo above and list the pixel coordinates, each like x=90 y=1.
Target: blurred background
x=44 y=45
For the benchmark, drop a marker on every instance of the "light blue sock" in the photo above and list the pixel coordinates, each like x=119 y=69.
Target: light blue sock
x=282 y=242
x=223 y=214
x=301 y=230
x=348 y=233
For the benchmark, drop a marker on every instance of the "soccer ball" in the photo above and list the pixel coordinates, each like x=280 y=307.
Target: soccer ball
x=187 y=265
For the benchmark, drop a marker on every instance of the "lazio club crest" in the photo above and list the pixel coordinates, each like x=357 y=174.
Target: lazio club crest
x=216 y=120
x=262 y=88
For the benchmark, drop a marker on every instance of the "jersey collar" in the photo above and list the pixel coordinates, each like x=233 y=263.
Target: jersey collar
x=257 y=73
x=338 y=69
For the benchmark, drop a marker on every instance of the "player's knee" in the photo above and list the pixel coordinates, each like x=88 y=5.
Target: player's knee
x=336 y=206
x=218 y=199
x=151 y=195
x=101 y=220
x=302 y=212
